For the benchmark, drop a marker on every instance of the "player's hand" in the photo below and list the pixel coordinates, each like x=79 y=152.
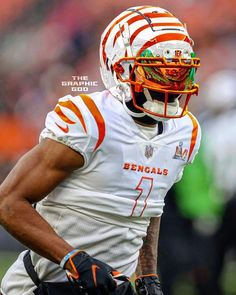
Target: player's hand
x=148 y=285
x=91 y=275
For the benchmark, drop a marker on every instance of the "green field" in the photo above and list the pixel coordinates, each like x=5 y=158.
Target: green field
x=6 y=259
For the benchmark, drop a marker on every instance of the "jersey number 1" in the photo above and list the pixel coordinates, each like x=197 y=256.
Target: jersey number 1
x=144 y=187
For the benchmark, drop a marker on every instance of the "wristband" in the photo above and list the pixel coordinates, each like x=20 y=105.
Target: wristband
x=148 y=275
x=66 y=258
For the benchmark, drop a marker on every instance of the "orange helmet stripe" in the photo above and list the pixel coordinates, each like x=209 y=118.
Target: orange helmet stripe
x=134 y=35
x=104 y=41
x=141 y=17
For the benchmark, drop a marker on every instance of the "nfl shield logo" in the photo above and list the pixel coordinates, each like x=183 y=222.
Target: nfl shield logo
x=148 y=151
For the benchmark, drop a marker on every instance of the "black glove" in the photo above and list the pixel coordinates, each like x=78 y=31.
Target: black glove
x=91 y=275
x=148 y=285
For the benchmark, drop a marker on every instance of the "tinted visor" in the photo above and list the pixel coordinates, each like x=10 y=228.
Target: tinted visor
x=174 y=78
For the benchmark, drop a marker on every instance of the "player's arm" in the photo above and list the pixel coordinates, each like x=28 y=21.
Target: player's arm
x=147 y=281
x=35 y=175
x=148 y=253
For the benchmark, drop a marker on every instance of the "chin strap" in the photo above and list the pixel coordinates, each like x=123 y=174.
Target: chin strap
x=153 y=106
x=158 y=107
x=131 y=113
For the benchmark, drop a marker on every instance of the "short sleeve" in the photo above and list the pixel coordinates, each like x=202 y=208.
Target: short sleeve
x=179 y=175
x=71 y=123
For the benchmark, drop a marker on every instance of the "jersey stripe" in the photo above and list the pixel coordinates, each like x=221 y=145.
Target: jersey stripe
x=97 y=116
x=62 y=115
x=194 y=134
x=71 y=106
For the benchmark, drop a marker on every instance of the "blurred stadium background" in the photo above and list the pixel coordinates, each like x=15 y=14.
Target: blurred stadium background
x=45 y=42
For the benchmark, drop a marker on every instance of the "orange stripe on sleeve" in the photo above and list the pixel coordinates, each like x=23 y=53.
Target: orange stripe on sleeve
x=62 y=115
x=194 y=134
x=97 y=116
x=71 y=106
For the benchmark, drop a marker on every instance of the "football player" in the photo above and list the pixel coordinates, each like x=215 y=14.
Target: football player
x=104 y=164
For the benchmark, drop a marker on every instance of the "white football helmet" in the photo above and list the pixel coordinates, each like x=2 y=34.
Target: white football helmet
x=146 y=57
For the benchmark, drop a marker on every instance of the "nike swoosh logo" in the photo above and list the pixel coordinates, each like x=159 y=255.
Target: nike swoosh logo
x=94 y=271
x=64 y=129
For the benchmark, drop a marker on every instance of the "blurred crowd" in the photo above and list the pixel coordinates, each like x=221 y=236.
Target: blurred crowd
x=46 y=42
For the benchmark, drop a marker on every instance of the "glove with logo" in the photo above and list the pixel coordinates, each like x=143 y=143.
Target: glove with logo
x=91 y=275
x=148 y=285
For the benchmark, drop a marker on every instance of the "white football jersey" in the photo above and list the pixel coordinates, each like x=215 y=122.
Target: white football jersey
x=125 y=173
x=105 y=207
